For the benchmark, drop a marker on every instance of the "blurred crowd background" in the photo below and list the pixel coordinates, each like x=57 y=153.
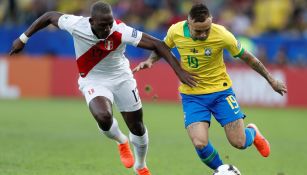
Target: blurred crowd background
x=274 y=30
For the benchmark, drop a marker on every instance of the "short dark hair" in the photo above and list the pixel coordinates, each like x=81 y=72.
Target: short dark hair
x=100 y=7
x=199 y=12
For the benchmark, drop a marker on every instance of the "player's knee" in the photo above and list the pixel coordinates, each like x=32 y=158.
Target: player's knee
x=103 y=118
x=137 y=128
x=200 y=144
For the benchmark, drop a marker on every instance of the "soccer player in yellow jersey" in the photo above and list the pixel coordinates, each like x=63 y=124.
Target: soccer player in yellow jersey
x=200 y=44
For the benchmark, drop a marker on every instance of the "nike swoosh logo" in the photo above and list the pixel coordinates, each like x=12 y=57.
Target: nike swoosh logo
x=236 y=112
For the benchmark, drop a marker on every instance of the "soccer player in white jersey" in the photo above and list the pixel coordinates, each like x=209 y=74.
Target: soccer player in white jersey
x=105 y=75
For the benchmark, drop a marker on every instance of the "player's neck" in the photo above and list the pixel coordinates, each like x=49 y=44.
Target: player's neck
x=96 y=34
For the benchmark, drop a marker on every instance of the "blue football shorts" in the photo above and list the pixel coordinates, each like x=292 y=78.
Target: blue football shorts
x=222 y=105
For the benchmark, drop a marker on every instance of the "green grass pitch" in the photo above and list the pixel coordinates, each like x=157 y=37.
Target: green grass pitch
x=59 y=137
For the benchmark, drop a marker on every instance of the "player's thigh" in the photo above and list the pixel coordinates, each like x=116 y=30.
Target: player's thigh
x=99 y=99
x=226 y=109
x=128 y=102
x=91 y=90
x=126 y=96
x=195 y=109
x=198 y=133
x=235 y=132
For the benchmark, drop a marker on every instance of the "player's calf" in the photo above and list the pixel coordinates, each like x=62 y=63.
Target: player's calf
x=238 y=143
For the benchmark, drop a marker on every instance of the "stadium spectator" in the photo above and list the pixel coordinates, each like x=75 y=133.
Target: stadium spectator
x=272 y=15
x=10 y=15
x=297 y=26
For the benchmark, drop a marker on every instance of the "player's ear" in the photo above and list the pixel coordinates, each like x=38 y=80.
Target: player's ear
x=188 y=20
x=91 y=21
x=210 y=18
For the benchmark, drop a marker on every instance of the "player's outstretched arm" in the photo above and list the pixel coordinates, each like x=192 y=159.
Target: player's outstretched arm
x=153 y=57
x=254 y=63
x=40 y=23
x=162 y=50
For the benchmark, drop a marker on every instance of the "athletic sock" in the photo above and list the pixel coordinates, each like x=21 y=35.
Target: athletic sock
x=209 y=156
x=115 y=133
x=250 y=134
x=140 y=145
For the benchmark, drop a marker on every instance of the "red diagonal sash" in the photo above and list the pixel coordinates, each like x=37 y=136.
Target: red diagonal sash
x=98 y=52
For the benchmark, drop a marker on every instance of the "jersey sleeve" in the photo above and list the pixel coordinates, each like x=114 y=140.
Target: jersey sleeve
x=130 y=35
x=169 y=39
x=233 y=45
x=67 y=22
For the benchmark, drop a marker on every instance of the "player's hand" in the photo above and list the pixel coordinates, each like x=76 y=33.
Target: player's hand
x=17 y=46
x=187 y=78
x=279 y=87
x=142 y=65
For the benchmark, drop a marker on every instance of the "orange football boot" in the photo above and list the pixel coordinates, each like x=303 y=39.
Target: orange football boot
x=143 y=171
x=126 y=155
x=262 y=145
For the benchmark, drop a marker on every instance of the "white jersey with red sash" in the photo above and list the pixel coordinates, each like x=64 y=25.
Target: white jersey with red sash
x=104 y=69
x=100 y=58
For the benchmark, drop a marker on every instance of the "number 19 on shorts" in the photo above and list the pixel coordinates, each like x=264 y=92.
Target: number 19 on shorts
x=232 y=102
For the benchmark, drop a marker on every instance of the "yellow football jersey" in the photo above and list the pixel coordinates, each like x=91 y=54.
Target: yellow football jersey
x=204 y=58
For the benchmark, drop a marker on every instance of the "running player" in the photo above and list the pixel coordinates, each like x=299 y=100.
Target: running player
x=200 y=44
x=105 y=75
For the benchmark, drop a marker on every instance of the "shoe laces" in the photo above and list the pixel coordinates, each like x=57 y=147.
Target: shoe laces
x=261 y=143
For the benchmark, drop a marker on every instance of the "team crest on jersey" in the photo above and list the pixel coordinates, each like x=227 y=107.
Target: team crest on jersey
x=208 y=52
x=108 y=44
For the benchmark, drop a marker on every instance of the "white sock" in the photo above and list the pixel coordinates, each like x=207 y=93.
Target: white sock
x=115 y=133
x=140 y=145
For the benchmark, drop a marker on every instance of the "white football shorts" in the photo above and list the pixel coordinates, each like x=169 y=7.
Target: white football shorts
x=123 y=93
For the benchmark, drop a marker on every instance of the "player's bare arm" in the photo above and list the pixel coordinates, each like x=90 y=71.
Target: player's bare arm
x=254 y=63
x=162 y=50
x=40 y=23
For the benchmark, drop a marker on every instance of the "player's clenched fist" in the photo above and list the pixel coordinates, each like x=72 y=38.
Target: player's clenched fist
x=18 y=45
x=187 y=78
x=279 y=86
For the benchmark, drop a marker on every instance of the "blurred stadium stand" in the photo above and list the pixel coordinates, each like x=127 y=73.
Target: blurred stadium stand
x=274 y=30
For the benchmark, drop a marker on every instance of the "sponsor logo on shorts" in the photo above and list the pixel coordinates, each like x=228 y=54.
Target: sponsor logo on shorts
x=134 y=33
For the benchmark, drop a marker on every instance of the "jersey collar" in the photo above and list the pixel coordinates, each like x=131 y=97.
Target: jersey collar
x=186 y=30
